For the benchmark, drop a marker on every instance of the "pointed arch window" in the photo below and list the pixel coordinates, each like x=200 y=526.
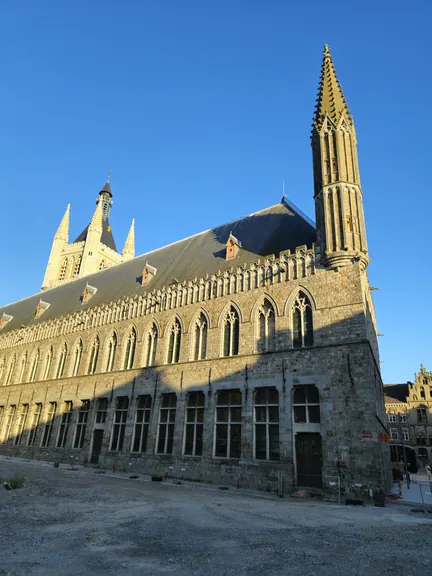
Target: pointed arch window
x=62 y=361
x=422 y=393
x=130 y=350
x=200 y=337
x=22 y=368
x=301 y=316
x=174 y=342
x=34 y=367
x=151 y=346
x=266 y=327
x=231 y=333
x=112 y=348
x=63 y=269
x=94 y=354
x=2 y=367
x=77 y=266
x=77 y=358
x=11 y=370
x=48 y=361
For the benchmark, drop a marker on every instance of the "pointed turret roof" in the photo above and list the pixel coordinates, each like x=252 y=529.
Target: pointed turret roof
x=331 y=99
x=107 y=188
x=100 y=220
x=129 y=247
x=63 y=229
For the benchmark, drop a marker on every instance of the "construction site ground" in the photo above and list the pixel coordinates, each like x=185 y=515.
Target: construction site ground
x=77 y=522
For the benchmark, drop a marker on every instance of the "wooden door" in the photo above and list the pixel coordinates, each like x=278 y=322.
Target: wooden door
x=309 y=459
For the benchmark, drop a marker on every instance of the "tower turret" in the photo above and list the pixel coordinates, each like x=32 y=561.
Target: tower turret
x=341 y=233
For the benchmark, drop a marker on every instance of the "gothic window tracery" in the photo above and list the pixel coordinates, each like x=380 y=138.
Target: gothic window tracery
x=77 y=266
x=130 y=349
x=48 y=361
x=11 y=370
x=174 y=342
x=34 y=366
x=266 y=327
x=301 y=316
x=112 y=348
x=231 y=329
x=22 y=368
x=94 y=353
x=151 y=344
x=62 y=361
x=200 y=337
x=63 y=269
x=77 y=358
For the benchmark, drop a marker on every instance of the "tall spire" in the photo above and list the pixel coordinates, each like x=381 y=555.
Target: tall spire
x=96 y=221
x=331 y=100
x=63 y=230
x=129 y=247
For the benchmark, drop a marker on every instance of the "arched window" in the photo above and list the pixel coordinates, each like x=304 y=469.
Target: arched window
x=34 y=366
x=200 y=337
x=174 y=342
x=77 y=358
x=22 y=368
x=422 y=393
x=77 y=266
x=151 y=346
x=62 y=361
x=63 y=269
x=231 y=333
x=130 y=350
x=266 y=327
x=301 y=316
x=48 y=361
x=94 y=353
x=2 y=367
x=112 y=347
x=11 y=370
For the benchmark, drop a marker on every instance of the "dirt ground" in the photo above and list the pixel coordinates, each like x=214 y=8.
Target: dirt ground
x=77 y=522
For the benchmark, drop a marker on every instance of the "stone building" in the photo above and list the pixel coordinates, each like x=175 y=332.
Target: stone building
x=230 y=356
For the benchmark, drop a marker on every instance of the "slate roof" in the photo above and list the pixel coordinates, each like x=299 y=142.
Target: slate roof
x=397 y=391
x=390 y=400
x=106 y=238
x=270 y=231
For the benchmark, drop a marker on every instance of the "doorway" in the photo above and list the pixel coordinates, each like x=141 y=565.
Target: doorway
x=308 y=447
x=97 y=445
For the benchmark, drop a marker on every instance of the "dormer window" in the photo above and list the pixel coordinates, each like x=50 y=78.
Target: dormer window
x=4 y=319
x=232 y=247
x=147 y=274
x=88 y=292
x=41 y=307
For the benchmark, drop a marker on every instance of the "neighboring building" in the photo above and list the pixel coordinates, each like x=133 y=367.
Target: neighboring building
x=401 y=440
x=234 y=354
x=419 y=403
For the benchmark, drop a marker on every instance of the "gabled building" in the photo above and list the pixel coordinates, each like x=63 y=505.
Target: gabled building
x=241 y=354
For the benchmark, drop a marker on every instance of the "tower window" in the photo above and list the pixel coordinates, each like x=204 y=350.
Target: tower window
x=301 y=315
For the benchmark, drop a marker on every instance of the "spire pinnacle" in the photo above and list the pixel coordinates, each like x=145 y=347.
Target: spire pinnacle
x=96 y=221
x=129 y=247
x=63 y=230
x=331 y=100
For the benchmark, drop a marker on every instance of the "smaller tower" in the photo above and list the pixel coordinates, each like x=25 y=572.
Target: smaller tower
x=341 y=232
x=129 y=247
x=60 y=241
x=93 y=250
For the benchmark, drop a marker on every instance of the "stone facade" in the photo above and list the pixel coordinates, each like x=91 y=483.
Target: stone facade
x=292 y=336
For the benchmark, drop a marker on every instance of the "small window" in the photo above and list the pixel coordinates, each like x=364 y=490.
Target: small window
x=394 y=434
x=392 y=417
x=167 y=414
x=228 y=424
x=403 y=417
x=405 y=434
x=142 y=423
x=81 y=426
x=119 y=427
x=64 y=425
x=306 y=406
x=194 y=424
x=101 y=410
x=52 y=407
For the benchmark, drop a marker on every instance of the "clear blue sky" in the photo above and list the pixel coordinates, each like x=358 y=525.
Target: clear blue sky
x=202 y=109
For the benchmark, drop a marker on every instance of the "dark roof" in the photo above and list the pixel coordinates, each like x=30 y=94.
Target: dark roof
x=390 y=400
x=107 y=188
x=106 y=238
x=397 y=391
x=269 y=231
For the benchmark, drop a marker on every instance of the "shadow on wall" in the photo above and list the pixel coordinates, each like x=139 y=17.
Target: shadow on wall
x=207 y=422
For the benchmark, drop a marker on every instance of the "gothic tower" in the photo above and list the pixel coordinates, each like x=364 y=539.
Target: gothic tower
x=93 y=250
x=341 y=233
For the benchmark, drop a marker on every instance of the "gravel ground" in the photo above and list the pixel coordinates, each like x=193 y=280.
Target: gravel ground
x=77 y=522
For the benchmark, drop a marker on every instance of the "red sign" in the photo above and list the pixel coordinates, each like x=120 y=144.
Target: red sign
x=367 y=434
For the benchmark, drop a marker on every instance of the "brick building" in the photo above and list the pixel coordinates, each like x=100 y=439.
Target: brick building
x=232 y=355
